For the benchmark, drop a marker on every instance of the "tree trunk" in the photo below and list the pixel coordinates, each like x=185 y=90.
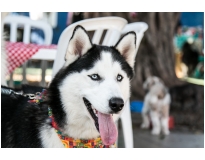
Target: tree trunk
x=156 y=52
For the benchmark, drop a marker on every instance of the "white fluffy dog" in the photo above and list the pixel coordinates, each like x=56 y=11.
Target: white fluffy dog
x=156 y=106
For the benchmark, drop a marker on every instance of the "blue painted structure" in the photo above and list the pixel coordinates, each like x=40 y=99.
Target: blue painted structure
x=136 y=106
x=61 y=25
x=192 y=19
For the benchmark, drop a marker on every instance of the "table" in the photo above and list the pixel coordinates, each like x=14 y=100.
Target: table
x=18 y=53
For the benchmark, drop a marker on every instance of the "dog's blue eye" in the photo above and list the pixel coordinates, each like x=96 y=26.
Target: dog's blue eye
x=95 y=77
x=119 y=78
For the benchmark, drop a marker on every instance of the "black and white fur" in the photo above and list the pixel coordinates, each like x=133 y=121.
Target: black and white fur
x=156 y=106
x=96 y=73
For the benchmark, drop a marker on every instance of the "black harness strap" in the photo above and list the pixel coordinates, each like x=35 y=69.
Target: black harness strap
x=7 y=91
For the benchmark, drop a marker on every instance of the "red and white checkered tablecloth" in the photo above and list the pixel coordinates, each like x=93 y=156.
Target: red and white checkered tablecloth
x=19 y=52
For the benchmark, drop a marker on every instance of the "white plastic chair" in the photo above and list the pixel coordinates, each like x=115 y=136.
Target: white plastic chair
x=16 y=21
x=139 y=28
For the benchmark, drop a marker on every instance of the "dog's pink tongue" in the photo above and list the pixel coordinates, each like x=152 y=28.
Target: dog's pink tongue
x=107 y=127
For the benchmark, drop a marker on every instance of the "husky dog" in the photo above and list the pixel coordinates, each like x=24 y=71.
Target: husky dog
x=93 y=84
x=156 y=105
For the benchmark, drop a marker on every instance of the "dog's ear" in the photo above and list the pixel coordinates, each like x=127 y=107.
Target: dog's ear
x=78 y=45
x=127 y=47
x=147 y=83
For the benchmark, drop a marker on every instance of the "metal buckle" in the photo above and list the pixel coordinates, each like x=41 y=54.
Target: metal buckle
x=31 y=96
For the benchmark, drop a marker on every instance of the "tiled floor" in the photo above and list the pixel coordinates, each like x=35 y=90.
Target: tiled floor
x=177 y=139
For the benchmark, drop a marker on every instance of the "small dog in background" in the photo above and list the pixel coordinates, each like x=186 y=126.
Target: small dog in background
x=156 y=106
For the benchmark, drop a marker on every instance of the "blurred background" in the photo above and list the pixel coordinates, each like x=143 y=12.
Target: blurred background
x=172 y=48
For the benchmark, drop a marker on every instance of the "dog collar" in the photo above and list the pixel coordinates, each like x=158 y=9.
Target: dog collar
x=68 y=142
x=39 y=97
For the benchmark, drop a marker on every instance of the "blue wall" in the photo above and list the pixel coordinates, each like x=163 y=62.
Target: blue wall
x=192 y=19
x=61 y=25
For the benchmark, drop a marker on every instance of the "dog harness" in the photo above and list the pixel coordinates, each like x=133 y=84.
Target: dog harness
x=68 y=142
x=13 y=94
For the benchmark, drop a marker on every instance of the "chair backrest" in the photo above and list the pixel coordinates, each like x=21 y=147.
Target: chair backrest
x=139 y=28
x=16 y=21
x=113 y=25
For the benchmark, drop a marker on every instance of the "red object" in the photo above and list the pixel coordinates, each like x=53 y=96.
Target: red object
x=54 y=124
x=19 y=52
x=171 y=122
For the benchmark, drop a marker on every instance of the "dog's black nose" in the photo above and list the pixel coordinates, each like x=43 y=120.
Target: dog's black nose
x=116 y=104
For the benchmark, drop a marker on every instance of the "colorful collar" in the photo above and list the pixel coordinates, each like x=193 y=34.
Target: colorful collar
x=38 y=97
x=67 y=141
x=75 y=143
